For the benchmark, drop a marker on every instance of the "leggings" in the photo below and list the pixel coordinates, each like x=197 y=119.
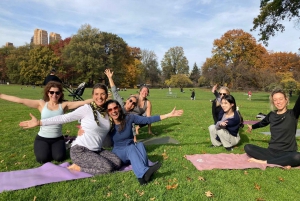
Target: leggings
x=48 y=149
x=273 y=156
x=94 y=162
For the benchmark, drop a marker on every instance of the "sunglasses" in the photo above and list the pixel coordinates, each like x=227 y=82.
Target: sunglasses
x=113 y=109
x=224 y=94
x=56 y=92
x=131 y=101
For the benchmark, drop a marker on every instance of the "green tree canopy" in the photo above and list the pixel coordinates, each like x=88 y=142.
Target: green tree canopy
x=272 y=12
x=174 y=62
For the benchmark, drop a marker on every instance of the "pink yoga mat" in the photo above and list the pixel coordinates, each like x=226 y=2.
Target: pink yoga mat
x=224 y=161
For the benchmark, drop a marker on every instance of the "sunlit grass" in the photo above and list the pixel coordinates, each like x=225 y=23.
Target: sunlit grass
x=191 y=130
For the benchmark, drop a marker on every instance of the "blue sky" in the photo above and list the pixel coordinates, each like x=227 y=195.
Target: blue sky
x=148 y=24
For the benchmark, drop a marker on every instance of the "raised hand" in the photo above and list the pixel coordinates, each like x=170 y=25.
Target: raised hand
x=249 y=128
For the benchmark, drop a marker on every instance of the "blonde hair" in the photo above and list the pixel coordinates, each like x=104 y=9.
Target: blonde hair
x=227 y=92
x=275 y=91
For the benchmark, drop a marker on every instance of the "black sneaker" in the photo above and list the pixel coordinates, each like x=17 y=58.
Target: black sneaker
x=229 y=148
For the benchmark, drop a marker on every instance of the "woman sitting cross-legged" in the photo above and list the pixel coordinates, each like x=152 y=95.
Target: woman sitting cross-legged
x=282 y=149
x=86 y=151
x=226 y=130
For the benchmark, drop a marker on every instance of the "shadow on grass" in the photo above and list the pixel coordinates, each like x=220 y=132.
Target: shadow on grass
x=156 y=129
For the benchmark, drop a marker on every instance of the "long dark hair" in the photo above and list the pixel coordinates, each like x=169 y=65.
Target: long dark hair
x=122 y=116
x=231 y=100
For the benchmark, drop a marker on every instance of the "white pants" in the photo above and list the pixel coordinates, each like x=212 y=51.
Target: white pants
x=227 y=140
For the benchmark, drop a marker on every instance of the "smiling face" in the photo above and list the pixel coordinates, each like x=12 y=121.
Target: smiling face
x=130 y=103
x=280 y=101
x=144 y=92
x=226 y=106
x=54 y=94
x=113 y=111
x=99 y=96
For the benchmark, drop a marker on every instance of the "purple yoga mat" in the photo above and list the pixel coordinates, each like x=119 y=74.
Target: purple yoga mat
x=47 y=173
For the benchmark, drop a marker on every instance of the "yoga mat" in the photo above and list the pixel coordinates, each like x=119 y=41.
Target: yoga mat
x=250 y=122
x=269 y=133
x=224 y=161
x=159 y=140
x=47 y=173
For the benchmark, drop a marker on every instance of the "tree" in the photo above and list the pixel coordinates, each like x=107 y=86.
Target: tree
x=235 y=49
x=174 y=62
x=149 y=67
x=4 y=53
x=84 y=52
x=272 y=12
x=13 y=63
x=179 y=80
x=35 y=69
x=195 y=74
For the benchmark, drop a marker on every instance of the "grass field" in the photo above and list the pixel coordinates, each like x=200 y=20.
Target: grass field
x=191 y=130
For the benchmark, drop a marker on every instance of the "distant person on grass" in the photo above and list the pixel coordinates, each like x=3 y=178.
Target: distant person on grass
x=49 y=143
x=282 y=149
x=226 y=131
x=216 y=103
x=52 y=77
x=86 y=151
x=193 y=96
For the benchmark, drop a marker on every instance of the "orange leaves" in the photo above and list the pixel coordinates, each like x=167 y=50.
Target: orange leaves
x=173 y=184
x=257 y=187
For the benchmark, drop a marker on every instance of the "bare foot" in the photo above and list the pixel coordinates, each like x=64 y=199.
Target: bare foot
x=287 y=167
x=74 y=167
x=253 y=160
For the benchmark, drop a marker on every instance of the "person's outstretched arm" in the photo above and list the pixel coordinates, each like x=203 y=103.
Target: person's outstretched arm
x=75 y=104
x=28 y=102
x=114 y=91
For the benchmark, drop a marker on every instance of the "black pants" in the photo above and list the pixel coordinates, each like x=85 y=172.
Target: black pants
x=48 y=149
x=273 y=156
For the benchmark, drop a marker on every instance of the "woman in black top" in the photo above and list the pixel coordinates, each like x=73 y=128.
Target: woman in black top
x=282 y=148
x=216 y=103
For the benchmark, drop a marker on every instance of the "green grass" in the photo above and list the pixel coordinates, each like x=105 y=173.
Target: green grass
x=191 y=130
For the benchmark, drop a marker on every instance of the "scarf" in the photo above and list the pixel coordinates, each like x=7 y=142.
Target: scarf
x=102 y=112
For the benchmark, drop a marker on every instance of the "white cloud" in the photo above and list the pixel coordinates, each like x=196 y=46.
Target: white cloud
x=149 y=24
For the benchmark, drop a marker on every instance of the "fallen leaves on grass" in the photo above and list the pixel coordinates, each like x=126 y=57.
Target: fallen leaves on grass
x=173 y=186
x=260 y=199
x=93 y=180
x=209 y=194
x=34 y=198
x=245 y=172
x=257 y=187
x=1 y=161
x=152 y=199
x=189 y=178
x=24 y=156
x=141 y=193
x=109 y=194
x=201 y=178
x=281 y=179
x=126 y=195
x=165 y=156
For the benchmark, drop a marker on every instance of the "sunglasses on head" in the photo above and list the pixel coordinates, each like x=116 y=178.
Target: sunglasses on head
x=56 y=92
x=112 y=109
x=131 y=101
x=224 y=94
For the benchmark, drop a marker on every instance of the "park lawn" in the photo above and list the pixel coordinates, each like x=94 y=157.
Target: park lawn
x=177 y=179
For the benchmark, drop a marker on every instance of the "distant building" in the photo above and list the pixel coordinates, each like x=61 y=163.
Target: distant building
x=40 y=37
x=8 y=44
x=54 y=37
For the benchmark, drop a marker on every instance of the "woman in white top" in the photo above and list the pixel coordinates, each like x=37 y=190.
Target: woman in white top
x=49 y=143
x=86 y=151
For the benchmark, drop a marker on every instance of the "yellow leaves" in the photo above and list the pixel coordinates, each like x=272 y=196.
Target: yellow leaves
x=141 y=193
x=108 y=194
x=165 y=156
x=93 y=180
x=209 y=194
x=245 y=172
x=34 y=198
x=201 y=178
x=281 y=179
x=67 y=131
x=126 y=196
